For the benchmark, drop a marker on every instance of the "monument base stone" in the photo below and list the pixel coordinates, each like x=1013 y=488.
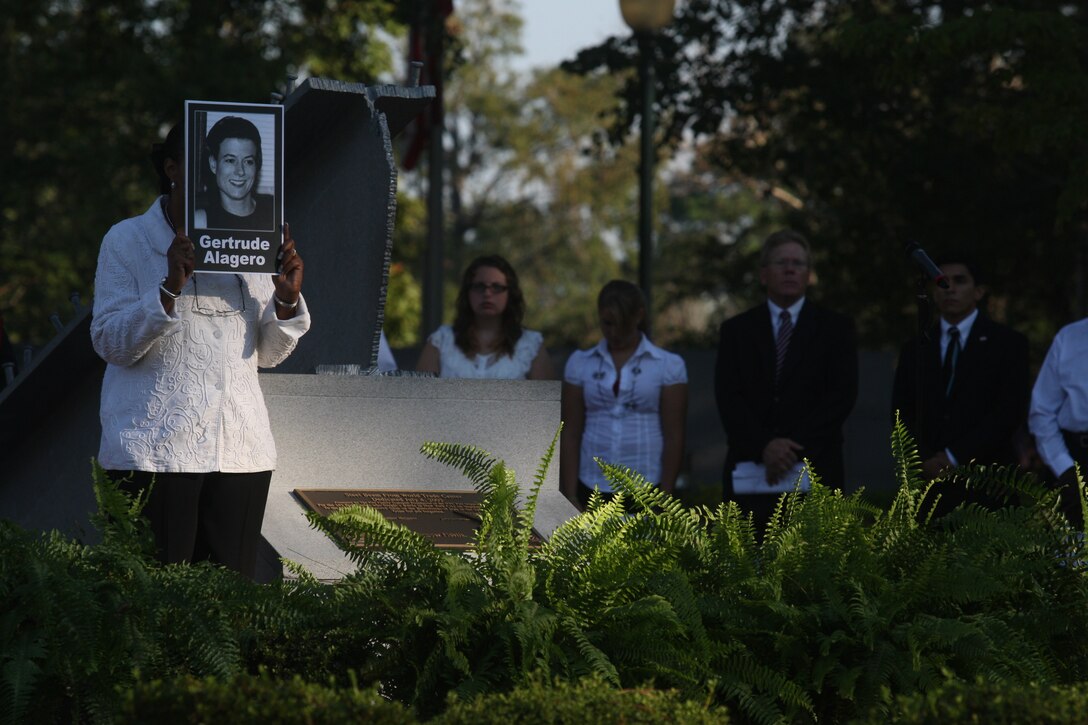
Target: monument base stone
x=364 y=433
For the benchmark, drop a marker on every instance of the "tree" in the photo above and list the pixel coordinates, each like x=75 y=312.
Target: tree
x=528 y=176
x=90 y=85
x=710 y=229
x=944 y=121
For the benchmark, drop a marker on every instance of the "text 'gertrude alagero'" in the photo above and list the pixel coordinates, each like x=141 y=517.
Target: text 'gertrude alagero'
x=212 y=256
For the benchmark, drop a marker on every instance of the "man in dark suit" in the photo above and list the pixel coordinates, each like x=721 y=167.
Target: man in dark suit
x=973 y=393
x=786 y=379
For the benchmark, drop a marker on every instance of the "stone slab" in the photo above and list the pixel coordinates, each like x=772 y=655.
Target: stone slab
x=365 y=432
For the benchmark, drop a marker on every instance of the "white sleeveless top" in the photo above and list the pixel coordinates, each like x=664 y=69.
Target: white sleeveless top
x=496 y=366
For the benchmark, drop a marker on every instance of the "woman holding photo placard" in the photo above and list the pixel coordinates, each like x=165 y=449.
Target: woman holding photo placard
x=181 y=405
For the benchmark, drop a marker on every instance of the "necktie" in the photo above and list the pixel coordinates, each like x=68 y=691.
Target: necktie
x=951 y=356
x=785 y=330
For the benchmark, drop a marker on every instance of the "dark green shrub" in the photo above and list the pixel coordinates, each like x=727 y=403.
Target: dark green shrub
x=993 y=704
x=839 y=609
x=587 y=702
x=77 y=620
x=256 y=700
x=841 y=606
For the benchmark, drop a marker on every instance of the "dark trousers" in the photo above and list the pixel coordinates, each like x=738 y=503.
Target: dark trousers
x=761 y=506
x=203 y=516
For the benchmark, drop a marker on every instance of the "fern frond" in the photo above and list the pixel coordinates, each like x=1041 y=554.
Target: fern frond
x=598 y=661
x=371 y=540
x=527 y=514
x=474 y=462
x=118 y=516
x=908 y=463
x=21 y=672
x=495 y=540
x=761 y=690
x=1082 y=498
x=299 y=572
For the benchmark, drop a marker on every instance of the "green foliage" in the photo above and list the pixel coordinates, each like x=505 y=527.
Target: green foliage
x=839 y=610
x=94 y=84
x=839 y=606
x=947 y=122
x=994 y=704
x=79 y=619
x=528 y=178
x=257 y=700
x=712 y=225
x=444 y=622
x=589 y=701
x=74 y=616
x=403 y=305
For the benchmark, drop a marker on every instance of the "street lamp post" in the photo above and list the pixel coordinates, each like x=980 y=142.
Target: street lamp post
x=646 y=17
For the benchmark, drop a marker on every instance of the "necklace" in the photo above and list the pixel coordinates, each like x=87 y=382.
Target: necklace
x=166 y=213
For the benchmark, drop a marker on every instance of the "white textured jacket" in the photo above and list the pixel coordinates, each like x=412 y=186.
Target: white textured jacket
x=180 y=392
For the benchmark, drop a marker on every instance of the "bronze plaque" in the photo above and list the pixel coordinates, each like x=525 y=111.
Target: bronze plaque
x=448 y=518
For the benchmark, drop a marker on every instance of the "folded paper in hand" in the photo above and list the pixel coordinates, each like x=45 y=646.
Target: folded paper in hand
x=749 y=477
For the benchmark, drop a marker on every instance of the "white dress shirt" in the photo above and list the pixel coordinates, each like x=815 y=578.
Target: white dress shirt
x=964 y=326
x=776 y=314
x=1059 y=400
x=623 y=429
x=180 y=392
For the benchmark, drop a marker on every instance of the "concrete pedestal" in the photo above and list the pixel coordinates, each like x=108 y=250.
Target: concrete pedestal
x=365 y=432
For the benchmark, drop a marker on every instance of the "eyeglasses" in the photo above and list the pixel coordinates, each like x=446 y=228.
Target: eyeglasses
x=495 y=288
x=789 y=263
x=221 y=305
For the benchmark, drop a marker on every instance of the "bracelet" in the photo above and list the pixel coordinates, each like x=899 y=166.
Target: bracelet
x=284 y=305
x=168 y=293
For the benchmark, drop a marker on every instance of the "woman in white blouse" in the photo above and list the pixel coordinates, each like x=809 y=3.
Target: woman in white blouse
x=624 y=401
x=486 y=339
x=181 y=404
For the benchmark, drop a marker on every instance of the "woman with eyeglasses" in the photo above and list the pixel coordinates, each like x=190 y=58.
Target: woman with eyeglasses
x=624 y=401
x=181 y=405
x=486 y=339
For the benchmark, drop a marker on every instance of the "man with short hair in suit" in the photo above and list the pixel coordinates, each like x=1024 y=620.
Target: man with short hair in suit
x=974 y=387
x=785 y=380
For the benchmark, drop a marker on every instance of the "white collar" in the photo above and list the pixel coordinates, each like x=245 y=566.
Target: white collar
x=794 y=309
x=963 y=325
x=645 y=347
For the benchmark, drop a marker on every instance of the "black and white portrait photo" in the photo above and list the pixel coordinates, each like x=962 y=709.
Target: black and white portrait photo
x=235 y=184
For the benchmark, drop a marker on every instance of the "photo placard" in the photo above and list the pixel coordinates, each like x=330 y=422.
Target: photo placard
x=234 y=185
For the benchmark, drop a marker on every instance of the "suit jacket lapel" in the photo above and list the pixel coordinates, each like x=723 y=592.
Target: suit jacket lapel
x=931 y=354
x=804 y=332
x=765 y=341
x=975 y=349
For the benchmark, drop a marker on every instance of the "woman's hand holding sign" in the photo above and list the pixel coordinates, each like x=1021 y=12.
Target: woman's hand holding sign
x=289 y=279
x=179 y=268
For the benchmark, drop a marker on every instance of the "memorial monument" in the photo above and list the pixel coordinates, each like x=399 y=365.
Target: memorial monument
x=339 y=432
